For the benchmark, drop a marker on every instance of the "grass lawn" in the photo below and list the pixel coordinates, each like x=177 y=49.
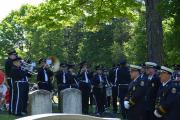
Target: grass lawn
x=7 y=117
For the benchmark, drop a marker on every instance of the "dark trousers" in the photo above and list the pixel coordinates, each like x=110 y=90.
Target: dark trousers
x=132 y=115
x=11 y=95
x=21 y=93
x=123 y=89
x=85 y=89
x=114 y=98
x=98 y=92
x=150 y=115
x=108 y=101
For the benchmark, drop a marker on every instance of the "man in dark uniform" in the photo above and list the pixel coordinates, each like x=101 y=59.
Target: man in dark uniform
x=8 y=65
x=98 y=83
x=72 y=76
x=85 y=85
x=108 y=90
x=134 y=101
x=113 y=79
x=143 y=72
x=62 y=80
x=21 y=88
x=167 y=98
x=123 y=80
x=62 y=77
x=44 y=76
x=152 y=87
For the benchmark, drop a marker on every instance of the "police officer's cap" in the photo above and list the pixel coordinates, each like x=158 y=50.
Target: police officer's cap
x=166 y=69
x=17 y=59
x=105 y=70
x=122 y=62
x=71 y=66
x=42 y=60
x=63 y=65
x=142 y=65
x=135 y=67
x=83 y=63
x=11 y=52
x=151 y=65
x=98 y=67
x=176 y=67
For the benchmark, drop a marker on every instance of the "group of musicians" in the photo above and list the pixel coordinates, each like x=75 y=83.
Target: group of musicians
x=145 y=92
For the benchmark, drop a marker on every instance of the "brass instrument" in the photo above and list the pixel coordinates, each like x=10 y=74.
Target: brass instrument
x=28 y=67
x=53 y=63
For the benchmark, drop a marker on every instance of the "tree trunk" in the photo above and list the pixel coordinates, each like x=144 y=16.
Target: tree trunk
x=154 y=32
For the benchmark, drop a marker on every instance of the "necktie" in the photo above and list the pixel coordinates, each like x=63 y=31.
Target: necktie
x=116 y=75
x=100 y=78
x=86 y=77
x=46 y=77
x=64 y=77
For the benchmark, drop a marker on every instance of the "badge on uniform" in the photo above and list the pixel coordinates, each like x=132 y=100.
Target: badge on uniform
x=173 y=90
x=142 y=83
x=134 y=88
x=152 y=84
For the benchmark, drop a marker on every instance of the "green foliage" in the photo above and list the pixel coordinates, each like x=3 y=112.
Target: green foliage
x=99 y=31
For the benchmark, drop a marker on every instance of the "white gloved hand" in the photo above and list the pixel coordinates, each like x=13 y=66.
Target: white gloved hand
x=157 y=114
x=126 y=104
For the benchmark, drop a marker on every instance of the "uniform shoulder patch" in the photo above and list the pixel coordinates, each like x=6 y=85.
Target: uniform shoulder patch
x=142 y=83
x=173 y=90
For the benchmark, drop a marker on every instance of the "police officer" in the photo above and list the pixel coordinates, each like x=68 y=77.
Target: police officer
x=8 y=65
x=166 y=102
x=44 y=75
x=21 y=88
x=85 y=77
x=62 y=77
x=72 y=76
x=98 y=83
x=143 y=72
x=134 y=101
x=153 y=84
x=62 y=80
x=123 y=80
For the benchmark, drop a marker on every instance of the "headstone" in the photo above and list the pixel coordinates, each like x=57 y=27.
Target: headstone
x=40 y=102
x=71 y=101
x=56 y=116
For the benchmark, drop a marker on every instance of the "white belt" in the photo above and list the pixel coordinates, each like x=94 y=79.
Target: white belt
x=20 y=81
x=124 y=84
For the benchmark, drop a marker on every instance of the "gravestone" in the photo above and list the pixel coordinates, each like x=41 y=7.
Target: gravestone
x=40 y=102
x=71 y=101
x=55 y=116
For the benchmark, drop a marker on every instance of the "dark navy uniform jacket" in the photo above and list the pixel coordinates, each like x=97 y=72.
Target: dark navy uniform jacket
x=17 y=74
x=8 y=66
x=167 y=102
x=151 y=92
x=136 y=94
x=41 y=76
x=96 y=81
x=123 y=76
x=59 y=78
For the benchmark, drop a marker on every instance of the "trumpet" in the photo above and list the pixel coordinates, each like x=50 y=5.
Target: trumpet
x=25 y=66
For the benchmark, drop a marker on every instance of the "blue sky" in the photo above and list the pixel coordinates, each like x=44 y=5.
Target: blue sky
x=6 y=6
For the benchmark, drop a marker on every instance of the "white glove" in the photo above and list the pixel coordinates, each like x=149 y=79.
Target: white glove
x=157 y=114
x=126 y=104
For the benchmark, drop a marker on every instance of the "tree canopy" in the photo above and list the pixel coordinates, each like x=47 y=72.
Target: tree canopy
x=99 y=31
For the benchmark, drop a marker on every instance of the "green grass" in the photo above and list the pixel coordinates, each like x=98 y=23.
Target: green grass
x=7 y=117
